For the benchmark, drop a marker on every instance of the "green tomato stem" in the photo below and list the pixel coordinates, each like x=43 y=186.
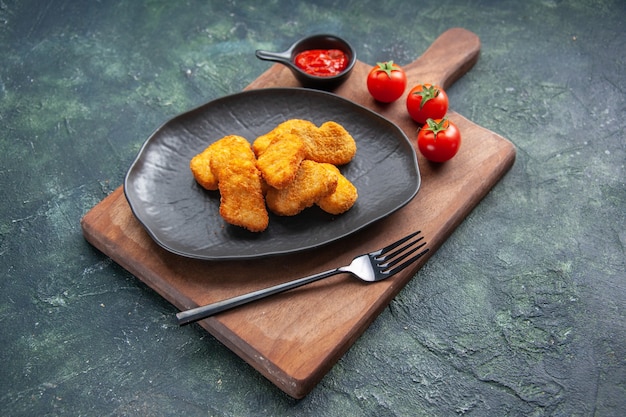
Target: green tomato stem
x=386 y=67
x=435 y=127
x=427 y=93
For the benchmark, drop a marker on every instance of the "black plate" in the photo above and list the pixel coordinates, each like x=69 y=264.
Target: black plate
x=184 y=218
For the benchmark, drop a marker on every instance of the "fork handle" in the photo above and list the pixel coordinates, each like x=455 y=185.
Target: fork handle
x=199 y=313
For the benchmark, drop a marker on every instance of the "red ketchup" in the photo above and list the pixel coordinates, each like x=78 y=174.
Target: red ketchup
x=322 y=62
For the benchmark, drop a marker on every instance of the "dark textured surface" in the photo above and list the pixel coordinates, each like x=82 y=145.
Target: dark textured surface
x=520 y=313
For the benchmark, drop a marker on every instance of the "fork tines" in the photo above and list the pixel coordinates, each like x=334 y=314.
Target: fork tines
x=392 y=255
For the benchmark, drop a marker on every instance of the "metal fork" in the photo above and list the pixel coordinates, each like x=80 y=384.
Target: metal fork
x=370 y=267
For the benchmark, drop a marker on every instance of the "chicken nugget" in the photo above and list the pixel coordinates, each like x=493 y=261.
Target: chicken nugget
x=200 y=166
x=343 y=198
x=294 y=126
x=205 y=166
x=241 y=195
x=228 y=148
x=311 y=183
x=331 y=144
x=261 y=143
x=279 y=163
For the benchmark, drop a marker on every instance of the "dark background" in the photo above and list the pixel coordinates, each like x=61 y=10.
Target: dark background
x=520 y=313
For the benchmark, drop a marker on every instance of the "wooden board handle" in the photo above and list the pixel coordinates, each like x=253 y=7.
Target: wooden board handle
x=450 y=56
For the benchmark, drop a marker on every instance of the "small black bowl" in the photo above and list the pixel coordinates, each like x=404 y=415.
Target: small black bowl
x=313 y=42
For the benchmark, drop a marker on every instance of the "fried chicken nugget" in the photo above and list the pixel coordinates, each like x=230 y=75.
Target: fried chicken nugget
x=241 y=195
x=331 y=144
x=279 y=163
x=229 y=165
x=228 y=148
x=312 y=182
x=343 y=198
x=200 y=166
x=294 y=126
x=206 y=164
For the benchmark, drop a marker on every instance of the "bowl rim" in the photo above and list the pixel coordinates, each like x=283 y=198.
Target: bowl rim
x=295 y=49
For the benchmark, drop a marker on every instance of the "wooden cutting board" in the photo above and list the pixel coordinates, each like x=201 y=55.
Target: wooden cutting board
x=294 y=338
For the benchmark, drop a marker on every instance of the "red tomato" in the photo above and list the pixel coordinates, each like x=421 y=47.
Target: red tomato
x=426 y=101
x=386 y=82
x=439 y=140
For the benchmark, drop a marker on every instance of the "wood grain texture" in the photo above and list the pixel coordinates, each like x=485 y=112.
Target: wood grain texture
x=294 y=338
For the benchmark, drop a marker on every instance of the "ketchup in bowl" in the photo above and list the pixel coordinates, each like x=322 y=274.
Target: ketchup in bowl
x=322 y=62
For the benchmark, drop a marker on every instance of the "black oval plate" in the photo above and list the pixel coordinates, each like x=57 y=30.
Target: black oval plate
x=184 y=218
